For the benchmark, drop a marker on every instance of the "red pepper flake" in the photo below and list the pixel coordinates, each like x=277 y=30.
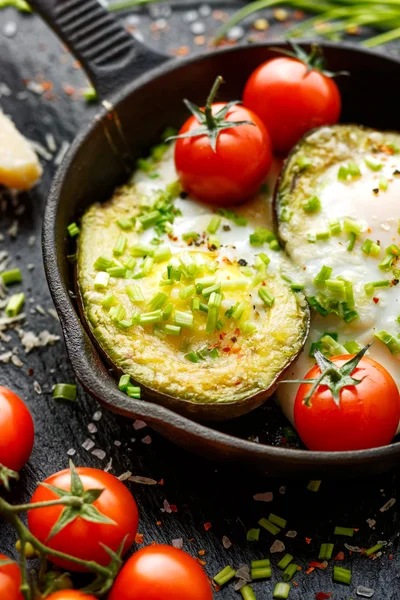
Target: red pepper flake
x=237 y=331
x=222 y=335
x=310 y=570
x=386 y=149
x=295 y=583
x=322 y=595
x=390 y=557
x=207 y=526
x=318 y=565
x=154 y=543
x=220 y=15
x=159 y=523
x=173 y=508
x=201 y=552
x=191 y=540
x=139 y=538
x=339 y=556
x=181 y=51
x=284 y=441
x=376 y=300
x=161 y=482
x=215 y=585
x=356 y=529
x=226 y=349
x=69 y=89
x=201 y=562
x=298 y=15
x=308 y=540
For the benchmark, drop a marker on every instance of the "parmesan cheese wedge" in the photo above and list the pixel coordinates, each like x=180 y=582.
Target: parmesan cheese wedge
x=19 y=166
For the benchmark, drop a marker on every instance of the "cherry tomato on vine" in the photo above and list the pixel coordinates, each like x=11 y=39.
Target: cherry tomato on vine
x=222 y=153
x=161 y=573
x=114 y=512
x=10 y=580
x=70 y=595
x=364 y=415
x=16 y=431
x=292 y=95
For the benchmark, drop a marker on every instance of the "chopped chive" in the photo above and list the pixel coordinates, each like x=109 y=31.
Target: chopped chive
x=342 y=575
x=314 y=485
x=290 y=572
x=15 y=304
x=266 y=297
x=248 y=327
x=303 y=162
x=224 y=576
x=247 y=593
x=214 y=224
x=109 y=300
x=351 y=226
x=144 y=165
x=172 y=329
x=262 y=236
x=190 y=236
x=373 y=549
x=124 y=382
x=162 y=253
x=325 y=552
x=259 y=564
x=149 y=219
x=151 y=317
x=285 y=561
x=214 y=242
x=343 y=173
x=204 y=307
x=354 y=169
x=369 y=287
x=73 y=229
x=212 y=288
x=352 y=347
x=134 y=293
x=269 y=526
x=277 y=520
x=101 y=280
x=11 y=276
x=274 y=245
x=141 y=250
x=347 y=314
x=186 y=292
x=281 y=591
x=334 y=227
x=214 y=352
x=157 y=301
x=129 y=263
x=103 y=263
x=147 y=265
x=253 y=535
x=261 y=573
x=296 y=287
x=188 y=263
x=174 y=273
x=312 y=205
x=183 y=319
x=329 y=346
x=336 y=286
x=232 y=216
x=322 y=235
x=133 y=391
x=234 y=284
x=196 y=303
x=117 y=313
x=125 y=223
x=90 y=95
x=239 y=310
x=389 y=340
x=120 y=245
x=203 y=282
x=266 y=259
x=65 y=391
x=212 y=318
x=383 y=184
x=125 y=323
x=215 y=300
x=352 y=241
x=193 y=357
x=373 y=164
x=348 y=531
x=117 y=271
x=323 y=275
x=166 y=282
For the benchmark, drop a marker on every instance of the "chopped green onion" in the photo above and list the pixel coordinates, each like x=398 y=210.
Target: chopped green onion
x=262 y=236
x=266 y=259
x=261 y=573
x=125 y=323
x=12 y=276
x=290 y=572
x=343 y=173
x=322 y=235
x=224 y=576
x=232 y=216
x=187 y=292
x=15 y=304
x=65 y=391
x=162 y=253
x=239 y=310
x=352 y=347
x=214 y=224
x=277 y=520
x=212 y=318
x=303 y=162
x=274 y=245
x=124 y=223
x=234 y=284
x=353 y=169
x=389 y=340
x=196 y=303
x=285 y=561
x=147 y=265
x=281 y=590
x=248 y=327
x=351 y=226
x=348 y=531
x=73 y=229
x=172 y=329
x=296 y=287
x=191 y=236
x=370 y=287
x=215 y=300
x=117 y=271
x=204 y=307
x=247 y=593
x=383 y=184
x=347 y=314
x=323 y=275
x=352 y=241
x=253 y=535
x=151 y=317
x=335 y=227
x=141 y=250
x=129 y=263
x=336 y=286
x=101 y=280
x=269 y=526
x=117 y=313
x=214 y=352
x=183 y=319
x=103 y=263
x=144 y=165
x=109 y=301
x=167 y=311
x=157 y=301
x=373 y=164
x=212 y=288
x=325 y=552
x=266 y=297
x=134 y=293
x=259 y=564
x=120 y=245
x=312 y=205
x=90 y=95
x=124 y=382
x=133 y=391
x=213 y=242
x=314 y=485
x=342 y=575
x=193 y=357
x=330 y=346
x=373 y=549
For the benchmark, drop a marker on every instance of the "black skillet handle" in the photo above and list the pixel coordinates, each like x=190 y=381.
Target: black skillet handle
x=110 y=56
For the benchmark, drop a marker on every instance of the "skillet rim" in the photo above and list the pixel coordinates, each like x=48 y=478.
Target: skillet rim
x=74 y=329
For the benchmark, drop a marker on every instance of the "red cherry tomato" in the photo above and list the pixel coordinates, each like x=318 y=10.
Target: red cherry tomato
x=290 y=101
x=161 y=573
x=16 y=431
x=70 y=595
x=367 y=416
x=10 y=581
x=82 y=538
x=235 y=171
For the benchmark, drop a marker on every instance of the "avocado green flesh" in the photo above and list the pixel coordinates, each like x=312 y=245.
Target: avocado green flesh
x=254 y=360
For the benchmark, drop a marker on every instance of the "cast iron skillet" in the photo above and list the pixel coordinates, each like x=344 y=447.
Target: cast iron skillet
x=137 y=106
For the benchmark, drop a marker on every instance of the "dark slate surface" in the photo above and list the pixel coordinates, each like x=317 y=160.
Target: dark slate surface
x=202 y=492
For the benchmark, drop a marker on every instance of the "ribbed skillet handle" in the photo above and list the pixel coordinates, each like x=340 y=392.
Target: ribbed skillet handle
x=110 y=56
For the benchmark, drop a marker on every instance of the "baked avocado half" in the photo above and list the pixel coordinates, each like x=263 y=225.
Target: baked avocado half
x=338 y=210
x=190 y=303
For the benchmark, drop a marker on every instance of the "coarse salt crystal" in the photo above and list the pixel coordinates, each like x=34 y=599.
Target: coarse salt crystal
x=71 y=452
x=388 y=505
x=108 y=466
x=265 y=497
x=282 y=489
x=226 y=542
x=97 y=415
x=371 y=523
x=88 y=444
x=291 y=534
x=277 y=546
x=178 y=543
x=146 y=440
x=37 y=387
x=365 y=592
x=99 y=453
x=142 y=480
x=125 y=476
x=117 y=443
x=139 y=425
x=92 y=428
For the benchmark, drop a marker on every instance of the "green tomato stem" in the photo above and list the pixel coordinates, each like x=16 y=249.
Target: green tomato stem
x=74 y=501
x=211 y=97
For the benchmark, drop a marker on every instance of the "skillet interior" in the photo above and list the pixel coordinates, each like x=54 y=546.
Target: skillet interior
x=94 y=168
